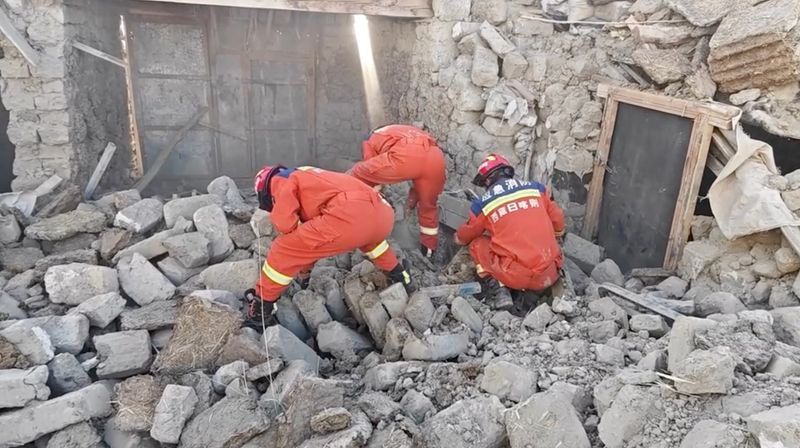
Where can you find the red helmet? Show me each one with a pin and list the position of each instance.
(493, 163)
(262, 186)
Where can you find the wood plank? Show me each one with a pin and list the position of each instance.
(719, 115)
(595, 199)
(137, 160)
(642, 301)
(165, 153)
(690, 188)
(651, 273)
(100, 54)
(16, 38)
(389, 8)
(714, 164)
(792, 235)
(99, 170)
(723, 146)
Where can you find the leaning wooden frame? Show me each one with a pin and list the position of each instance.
(706, 117)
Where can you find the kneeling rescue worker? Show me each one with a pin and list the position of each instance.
(521, 250)
(398, 153)
(319, 214)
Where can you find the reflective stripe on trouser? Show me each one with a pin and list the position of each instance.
(508, 272)
(348, 225)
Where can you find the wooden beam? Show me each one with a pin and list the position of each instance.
(390, 8)
(164, 154)
(642, 301)
(99, 170)
(594, 202)
(16, 38)
(100, 54)
(719, 115)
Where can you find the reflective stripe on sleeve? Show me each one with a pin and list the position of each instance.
(430, 231)
(276, 276)
(379, 250)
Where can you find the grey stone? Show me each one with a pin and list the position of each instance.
(706, 372)
(290, 317)
(514, 65)
(203, 389)
(176, 272)
(160, 338)
(609, 310)
(713, 434)
(384, 376)
(234, 422)
(356, 435)
(662, 66)
(10, 231)
(142, 281)
(265, 370)
(783, 367)
(140, 217)
(227, 373)
(101, 309)
(437, 347)
(219, 296)
(312, 307)
(417, 406)
(186, 207)
(609, 355)
(226, 189)
(174, 408)
(112, 241)
(608, 271)
(20, 387)
(398, 331)
(81, 435)
(341, 341)
(497, 42)
(719, 303)
(242, 235)
(509, 381)
(32, 342)
(681, 338)
(786, 325)
(190, 249)
(612, 11)
(153, 316)
(123, 354)
(236, 277)
(476, 422)
(451, 9)
(66, 333)
(83, 256)
(285, 345)
(331, 420)
(63, 226)
(577, 395)
(464, 313)
(394, 299)
(211, 222)
(419, 311)
(151, 247)
(66, 374)
(584, 253)
(605, 392)
(261, 223)
(704, 13)
(751, 342)
(379, 406)
(74, 283)
(745, 96)
(601, 332)
(283, 383)
(528, 27)
(375, 316)
(20, 259)
(538, 319)
(651, 323)
(28, 424)
(485, 67)
(527, 428)
(10, 308)
(777, 425)
(673, 286)
(632, 408)
(493, 11)
(116, 438)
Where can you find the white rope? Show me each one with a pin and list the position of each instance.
(602, 23)
(261, 304)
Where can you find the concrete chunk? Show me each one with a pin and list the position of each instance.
(285, 345)
(186, 207)
(190, 249)
(236, 277)
(419, 311)
(778, 425)
(394, 299)
(379, 407)
(142, 281)
(632, 408)
(509, 381)
(464, 313)
(485, 67)
(74, 283)
(211, 222)
(713, 434)
(66, 333)
(265, 370)
(140, 217)
(436, 347)
(66, 375)
(651, 323)
(398, 331)
(32, 342)
(20, 259)
(123, 354)
(474, 422)
(10, 231)
(81, 435)
(704, 13)
(608, 271)
(545, 420)
(787, 325)
(681, 338)
(65, 225)
(539, 318)
(157, 315)
(706, 372)
(101, 309)
(312, 307)
(176, 272)
(227, 373)
(375, 316)
(175, 407)
(662, 66)
(719, 303)
(341, 341)
(28, 424)
(497, 42)
(20, 387)
(151, 247)
(451, 9)
(417, 406)
(584, 253)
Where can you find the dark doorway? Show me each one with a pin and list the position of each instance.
(6, 153)
(786, 150)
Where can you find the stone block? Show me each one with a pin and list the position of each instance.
(394, 299)
(123, 354)
(80, 435)
(613, 11)
(176, 405)
(674, 287)
(211, 222)
(20, 259)
(176, 272)
(32, 342)
(651, 323)
(101, 309)
(261, 223)
(786, 325)
(719, 303)
(74, 283)
(140, 217)
(681, 338)
(606, 354)
(514, 65)
(417, 406)
(662, 66)
(375, 316)
(190, 249)
(608, 271)
(151, 247)
(526, 429)
(451, 9)
(65, 225)
(497, 42)
(398, 331)
(482, 417)
(744, 96)
(632, 408)
(609, 310)
(601, 332)
(341, 341)
(283, 344)
(464, 313)
(20, 387)
(227, 373)
(485, 67)
(437, 347)
(713, 434)
(153, 316)
(66, 375)
(312, 308)
(529, 27)
(236, 276)
(142, 281)
(186, 207)
(538, 319)
(10, 231)
(290, 317)
(509, 381)
(778, 425)
(493, 11)
(702, 14)
(379, 407)
(28, 424)
(419, 311)
(706, 372)
(265, 370)
(783, 367)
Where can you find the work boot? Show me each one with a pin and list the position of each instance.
(499, 296)
(426, 251)
(400, 275)
(258, 313)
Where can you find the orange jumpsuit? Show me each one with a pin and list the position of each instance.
(399, 153)
(321, 214)
(521, 250)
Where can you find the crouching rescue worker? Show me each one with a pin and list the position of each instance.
(512, 233)
(399, 153)
(319, 214)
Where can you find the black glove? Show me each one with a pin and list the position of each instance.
(426, 251)
(256, 308)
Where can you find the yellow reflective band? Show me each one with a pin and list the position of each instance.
(430, 231)
(379, 250)
(406, 278)
(276, 276)
(510, 198)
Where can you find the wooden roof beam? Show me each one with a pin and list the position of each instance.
(389, 8)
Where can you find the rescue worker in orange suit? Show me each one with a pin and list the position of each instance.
(319, 214)
(398, 153)
(512, 233)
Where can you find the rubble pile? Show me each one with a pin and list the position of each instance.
(103, 339)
